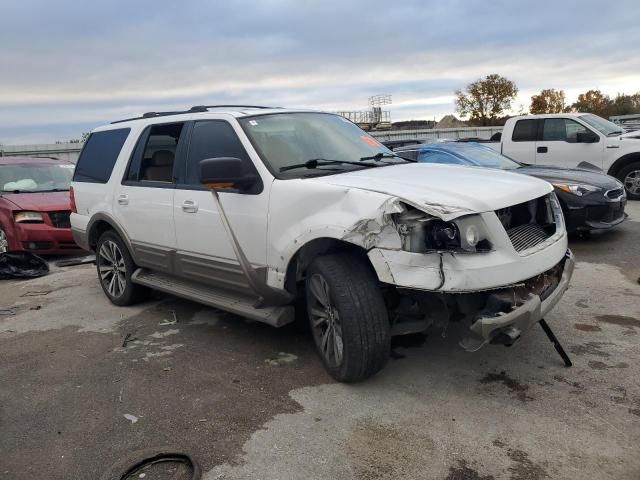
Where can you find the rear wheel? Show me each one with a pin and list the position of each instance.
(115, 267)
(348, 317)
(630, 176)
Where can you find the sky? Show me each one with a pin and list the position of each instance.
(67, 67)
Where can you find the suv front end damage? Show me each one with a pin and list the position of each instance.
(499, 272)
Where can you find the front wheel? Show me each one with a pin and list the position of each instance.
(630, 176)
(348, 317)
(115, 267)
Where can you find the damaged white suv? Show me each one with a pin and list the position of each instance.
(259, 210)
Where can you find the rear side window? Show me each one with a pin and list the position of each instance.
(525, 131)
(408, 154)
(99, 155)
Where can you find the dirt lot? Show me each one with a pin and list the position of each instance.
(84, 384)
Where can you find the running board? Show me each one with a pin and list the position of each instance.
(238, 304)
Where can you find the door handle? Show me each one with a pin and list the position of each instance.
(542, 150)
(123, 199)
(189, 206)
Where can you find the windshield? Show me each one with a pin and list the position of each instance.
(293, 139)
(473, 154)
(35, 177)
(603, 126)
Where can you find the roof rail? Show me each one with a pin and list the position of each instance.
(194, 109)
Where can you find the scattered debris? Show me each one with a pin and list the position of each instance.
(166, 323)
(128, 338)
(22, 265)
(131, 418)
(167, 369)
(37, 293)
(37, 307)
(280, 358)
(171, 331)
(70, 262)
(7, 311)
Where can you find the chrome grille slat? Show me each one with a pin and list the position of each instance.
(526, 236)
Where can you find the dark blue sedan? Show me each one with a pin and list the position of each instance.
(590, 199)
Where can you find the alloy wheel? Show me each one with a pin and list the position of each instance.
(4, 242)
(111, 268)
(325, 321)
(632, 182)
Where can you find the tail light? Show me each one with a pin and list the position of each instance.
(72, 198)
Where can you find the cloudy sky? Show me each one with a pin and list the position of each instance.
(66, 67)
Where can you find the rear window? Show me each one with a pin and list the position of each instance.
(99, 155)
(525, 131)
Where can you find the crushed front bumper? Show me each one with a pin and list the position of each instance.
(506, 327)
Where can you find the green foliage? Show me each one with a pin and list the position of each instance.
(485, 100)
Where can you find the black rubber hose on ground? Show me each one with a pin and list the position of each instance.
(134, 463)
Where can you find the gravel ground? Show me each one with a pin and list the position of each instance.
(84, 384)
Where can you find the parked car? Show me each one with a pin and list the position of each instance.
(34, 205)
(569, 139)
(590, 199)
(255, 210)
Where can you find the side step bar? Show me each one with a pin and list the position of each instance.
(238, 304)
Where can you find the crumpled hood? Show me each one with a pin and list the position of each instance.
(40, 202)
(448, 191)
(570, 175)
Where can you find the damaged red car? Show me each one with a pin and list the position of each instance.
(35, 205)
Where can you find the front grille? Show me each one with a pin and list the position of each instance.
(61, 219)
(614, 194)
(526, 236)
(605, 213)
(532, 223)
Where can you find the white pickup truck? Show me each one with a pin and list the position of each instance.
(569, 139)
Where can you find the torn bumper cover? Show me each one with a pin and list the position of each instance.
(543, 292)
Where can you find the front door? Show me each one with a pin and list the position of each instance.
(204, 250)
(558, 145)
(143, 202)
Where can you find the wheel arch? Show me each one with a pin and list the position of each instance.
(304, 256)
(621, 162)
(99, 224)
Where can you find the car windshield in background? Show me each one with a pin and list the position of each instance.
(603, 126)
(35, 177)
(481, 156)
(294, 139)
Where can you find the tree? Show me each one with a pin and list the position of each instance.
(486, 99)
(548, 101)
(593, 101)
(625, 104)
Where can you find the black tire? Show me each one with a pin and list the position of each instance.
(4, 241)
(117, 286)
(633, 167)
(356, 313)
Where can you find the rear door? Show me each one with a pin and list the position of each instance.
(558, 144)
(522, 144)
(204, 251)
(143, 202)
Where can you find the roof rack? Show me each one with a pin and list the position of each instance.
(194, 109)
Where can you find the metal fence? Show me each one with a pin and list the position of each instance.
(71, 151)
(630, 123)
(484, 133)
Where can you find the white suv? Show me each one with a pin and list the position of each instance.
(251, 209)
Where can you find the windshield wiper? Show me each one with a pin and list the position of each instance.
(318, 162)
(617, 132)
(380, 156)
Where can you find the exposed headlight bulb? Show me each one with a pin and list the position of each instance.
(472, 235)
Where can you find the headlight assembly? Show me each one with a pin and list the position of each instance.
(579, 189)
(28, 217)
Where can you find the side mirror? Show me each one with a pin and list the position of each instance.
(226, 173)
(586, 137)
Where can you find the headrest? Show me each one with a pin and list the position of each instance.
(162, 158)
